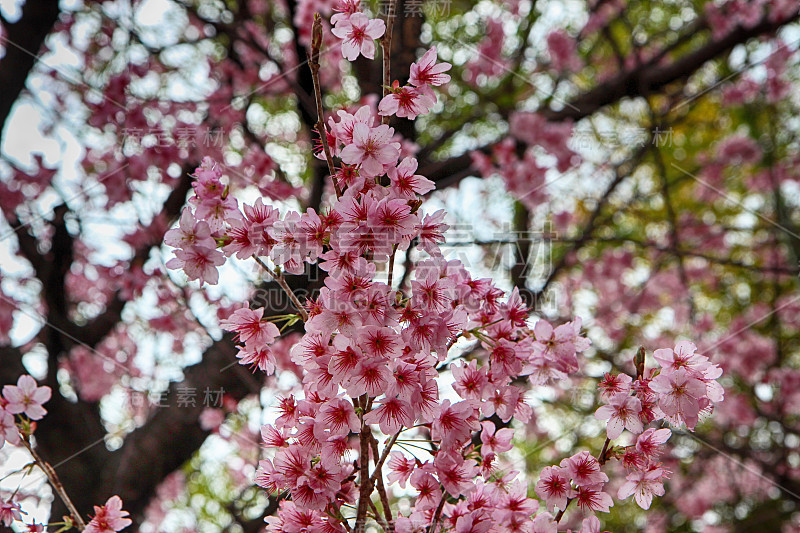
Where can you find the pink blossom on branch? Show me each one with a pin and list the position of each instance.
(9, 511)
(427, 71)
(372, 148)
(554, 487)
(358, 33)
(370, 359)
(249, 326)
(26, 397)
(622, 412)
(644, 485)
(109, 518)
(405, 102)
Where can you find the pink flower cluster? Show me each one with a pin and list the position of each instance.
(196, 250)
(371, 356)
(563, 50)
(723, 17)
(684, 388)
(416, 98)
(525, 176)
(26, 398)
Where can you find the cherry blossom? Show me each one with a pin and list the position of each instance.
(584, 469)
(592, 498)
(679, 395)
(109, 518)
(554, 487)
(622, 413)
(427, 71)
(408, 102)
(372, 149)
(643, 485)
(26, 397)
(495, 441)
(9, 511)
(369, 362)
(358, 32)
(8, 429)
(250, 328)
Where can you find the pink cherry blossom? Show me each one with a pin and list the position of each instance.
(679, 395)
(515, 504)
(358, 33)
(622, 412)
(339, 416)
(9, 511)
(427, 72)
(250, 328)
(391, 415)
(371, 148)
(344, 9)
(544, 523)
(592, 498)
(8, 429)
(470, 381)
(431, 232)
(407, 102)
(649, 441)
(612, 384)
(456, 474)
(584, 469)
(453, 423)
(189, 232)
(405, 183)
(495, 441)
(554, 487)
(199, 263)
(643, 485)
(109, 518)
(26, 397)
(401, 468)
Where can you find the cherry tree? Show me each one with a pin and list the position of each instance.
(398, 378)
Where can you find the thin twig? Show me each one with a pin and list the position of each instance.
(386, 46)
(365, 488)
(560, 514)
(313, 63)
(377, 475)
(391, 266)
(602, 457)
(378, 518)
(56, 483)
(384, 455)
(437, 515)
(282, 282)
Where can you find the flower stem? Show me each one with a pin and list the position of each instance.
(313, 63)
(282, 282)
(386, 46)
(437, 515)
(391, 266)
(560, 514)
(52, 477)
